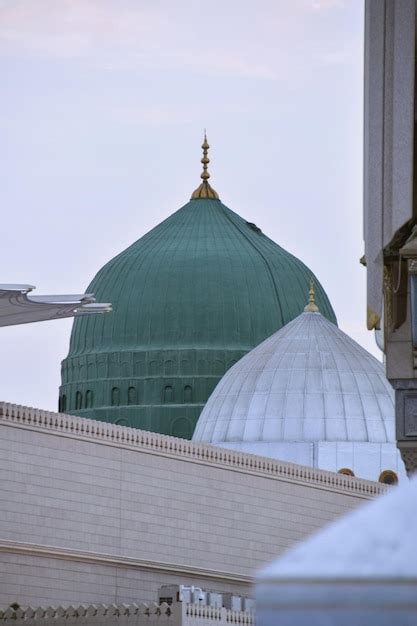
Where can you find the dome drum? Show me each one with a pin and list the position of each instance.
(363, 458)
(131, 383)
(149, 363)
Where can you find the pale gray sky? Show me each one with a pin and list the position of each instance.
(103, 104)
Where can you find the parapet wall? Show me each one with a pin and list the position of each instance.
(151, 614)
(94, 513)
(155, 443)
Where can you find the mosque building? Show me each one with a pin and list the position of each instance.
(107, 503)
(191, 297)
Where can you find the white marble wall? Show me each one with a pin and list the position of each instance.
(88, 518)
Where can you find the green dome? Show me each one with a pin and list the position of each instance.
(190, 298)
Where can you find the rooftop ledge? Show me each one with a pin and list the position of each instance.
(153, 443)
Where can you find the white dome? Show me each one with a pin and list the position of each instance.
(361, 570)
(306, 386)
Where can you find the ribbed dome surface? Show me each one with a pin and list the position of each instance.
(190, 298)
(308, 382)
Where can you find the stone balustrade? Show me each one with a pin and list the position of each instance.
(178, 614)
(198, 615)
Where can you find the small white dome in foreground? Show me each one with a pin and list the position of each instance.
(308, 394)
(362, 569)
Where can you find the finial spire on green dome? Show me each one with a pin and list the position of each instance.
(205, 190)
(311, 306)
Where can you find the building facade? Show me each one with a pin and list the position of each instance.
(390, 203)
(95, 513)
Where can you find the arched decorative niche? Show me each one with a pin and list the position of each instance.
(91, 367)
(155, 368)
(169, 367)
(182, 428)
(126, 368)
(115, 396)
(88, 399)
(63, 403)
(78, 400)
(188, 394)
(101, 366)
(131, 395)
(122, 421)
(168, 394)
(388, 477)
(186, 367)
(346, 471)
(114, 365)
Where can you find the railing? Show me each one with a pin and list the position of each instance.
(145, 441)
(196, 613)
(136, 614)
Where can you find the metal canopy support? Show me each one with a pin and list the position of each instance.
(17, 307)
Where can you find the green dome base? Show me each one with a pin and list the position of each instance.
(158, 390)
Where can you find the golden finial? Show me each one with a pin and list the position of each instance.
(205, 190)
(311, 306)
